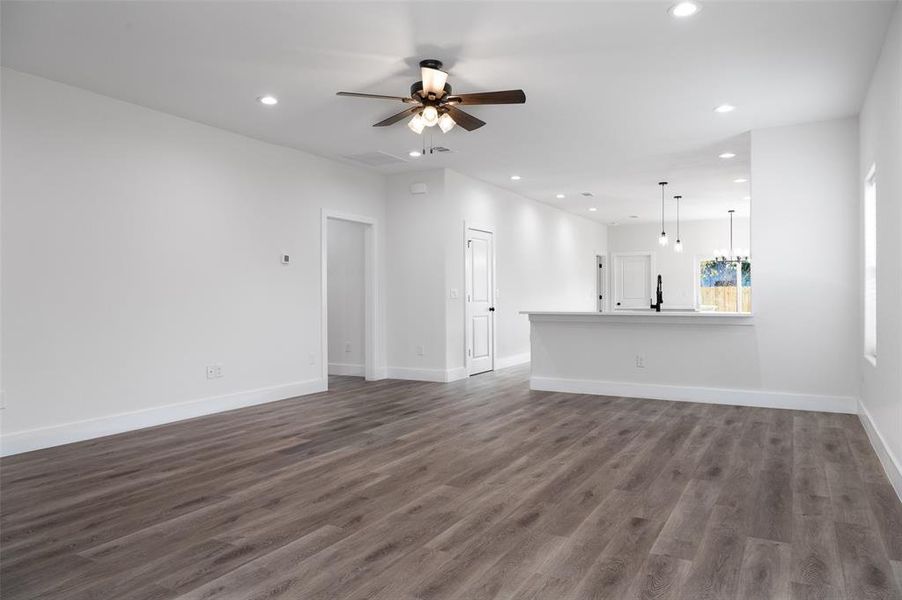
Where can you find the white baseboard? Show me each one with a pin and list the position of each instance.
(347, 369)
(435, 375)
(890, 461)
(761, 398)
(512, 361)
(77, 431)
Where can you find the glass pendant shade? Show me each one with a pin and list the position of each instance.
(430, 116)
(663, 239)
(446, 123)
(417, 123)
(678, 246)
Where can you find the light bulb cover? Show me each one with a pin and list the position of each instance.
(663, 239)
(430, 116)
(417, 123)
(678, 246)
(446, 123)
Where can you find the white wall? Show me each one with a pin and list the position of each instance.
(803, 344)
(346, 297)
(699, 238)
(881, 144)
(138, 248)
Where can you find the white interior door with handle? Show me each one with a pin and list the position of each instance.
(480, 273)
(632, 281)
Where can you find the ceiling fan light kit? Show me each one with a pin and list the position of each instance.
(434, 104)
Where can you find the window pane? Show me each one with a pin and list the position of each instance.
(870, 264)
(725, 286)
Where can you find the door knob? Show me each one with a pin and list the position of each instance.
(491, 309)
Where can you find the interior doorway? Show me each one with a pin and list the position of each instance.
(480, 299)
(349, 296)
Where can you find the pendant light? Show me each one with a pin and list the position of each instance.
(663, 239)
(678, 246)
(723, 256)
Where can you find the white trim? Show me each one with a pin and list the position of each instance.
(372, 356)
(890, 462)
(761, 398)
(76, 431)
(490, 229)
(347, 369)
(512, 360)
(433, 375)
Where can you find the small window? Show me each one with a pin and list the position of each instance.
(725, 286)
(870, 265)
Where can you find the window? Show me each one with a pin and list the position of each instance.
(725, 286)
(870, 265)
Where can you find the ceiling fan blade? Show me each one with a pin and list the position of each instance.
(433, 81)
(505, 97)
(465, 120)
(398, 117)
(377, 96)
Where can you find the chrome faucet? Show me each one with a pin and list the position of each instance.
(659, 296)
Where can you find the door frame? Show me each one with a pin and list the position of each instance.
(615, 286)
(467, 333)
(371, 332)
(602, 304)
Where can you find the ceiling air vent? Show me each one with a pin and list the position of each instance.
(587, 194)
(442, 149)
(375, 159)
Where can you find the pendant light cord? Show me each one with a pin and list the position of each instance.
(662, 184)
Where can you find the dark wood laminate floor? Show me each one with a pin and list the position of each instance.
(478, 489)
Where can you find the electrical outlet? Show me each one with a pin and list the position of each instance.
(640, 361)
(347, 346)
(420, 351)
(218, 370)
(312, 358)
(211, 371)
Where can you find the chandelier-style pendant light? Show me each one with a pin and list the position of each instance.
(724, 256)
(678, 246)
(663, 239)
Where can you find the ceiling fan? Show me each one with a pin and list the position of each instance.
(434, 104)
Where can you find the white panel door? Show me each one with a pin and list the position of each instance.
(480, 301)
(632, 281)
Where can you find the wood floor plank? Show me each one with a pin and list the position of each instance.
(477, 489)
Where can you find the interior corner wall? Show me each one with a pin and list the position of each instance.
(347, 296)
(415, 277)
(881, 145)
(544, 260)
(138, 248)
(805, 257)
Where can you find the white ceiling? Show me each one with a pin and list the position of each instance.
(619, 94)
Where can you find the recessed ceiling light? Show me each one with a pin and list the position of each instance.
(727, 155)
(724, 108)
(592, 209)
(414, 154)
(740, 180)
(560, 196)
(515, 178)
(268, 100)
(684, 9)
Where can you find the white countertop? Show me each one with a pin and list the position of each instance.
(677, 317)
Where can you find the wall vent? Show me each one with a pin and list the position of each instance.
(375, 159)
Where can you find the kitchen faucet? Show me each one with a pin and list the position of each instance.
(660, 296)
